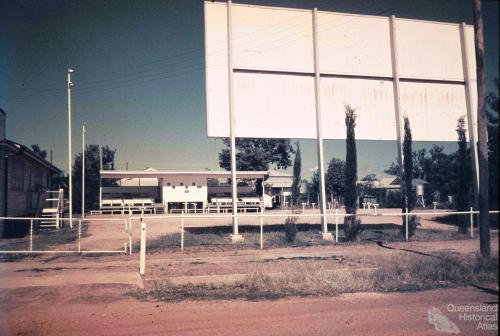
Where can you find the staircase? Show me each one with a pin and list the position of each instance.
(53, 212)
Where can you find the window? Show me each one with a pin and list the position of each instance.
(193, 184)
(182, 183)
(17, 176)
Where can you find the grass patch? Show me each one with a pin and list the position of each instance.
(275, 236)
(305, 279)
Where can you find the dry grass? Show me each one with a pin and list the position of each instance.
(216, 238)
(312, 279)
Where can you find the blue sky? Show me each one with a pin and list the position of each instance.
(139, 77)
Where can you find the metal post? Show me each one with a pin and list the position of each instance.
(319, 131)
(262, 228)
(471, 222)
(470, 116)
(79, 235)
(397, 101)
(142, 259)
(235, 237)
(336, 225)
(406, 223)
(70, 180)
(182, 231)
(130, 235)
(31, 235)
(100, 179)
(83, 170)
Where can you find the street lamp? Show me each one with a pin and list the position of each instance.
(70, 180)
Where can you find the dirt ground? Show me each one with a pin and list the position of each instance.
(108, 310)
(61, 294)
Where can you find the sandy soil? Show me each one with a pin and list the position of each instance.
(107, 310)
(90, 295)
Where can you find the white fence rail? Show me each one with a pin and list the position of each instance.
(336, 219)
(77, 247)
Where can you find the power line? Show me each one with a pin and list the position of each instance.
(183, 70)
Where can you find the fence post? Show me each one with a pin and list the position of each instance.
(142, 263)
(80, 235)
(406, 223)
(471, 222)
(130, 235)
(262, 228)
(336, 225)
(182, 230)
(31, 235)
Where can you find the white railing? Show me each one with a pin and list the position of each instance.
(78, 249)
(336, 215)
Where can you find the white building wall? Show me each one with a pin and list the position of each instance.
(181, 189)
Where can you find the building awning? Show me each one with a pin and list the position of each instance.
(117, 174)
(274, 182)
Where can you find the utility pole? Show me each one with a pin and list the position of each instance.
(482, 135)
(83, 170)
(70, 180)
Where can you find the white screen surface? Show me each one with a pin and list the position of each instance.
(273, 85)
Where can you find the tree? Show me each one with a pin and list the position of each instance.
(257, 154)
(335, 177)
(351, 223)
(92, 175)
(407, 194)
(482, 135)
(313, 186)
(42, 153)
(366, 187)
(435, 167)
(493, 104)
(464, 177)
(297, 167)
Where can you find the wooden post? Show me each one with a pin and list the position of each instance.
(397, 102)
(319, 130)
(484, 220)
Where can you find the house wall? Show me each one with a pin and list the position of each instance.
(2, 173)
(2, 191)
(213, 190)
(23, 201)
(129, 192)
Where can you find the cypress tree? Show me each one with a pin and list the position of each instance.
(351, 224)
(297, 166)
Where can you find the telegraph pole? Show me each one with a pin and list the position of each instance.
(482, 135)
(70, 180)
(83, 170)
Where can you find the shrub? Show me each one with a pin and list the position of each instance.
(352, 228)
(291, 229)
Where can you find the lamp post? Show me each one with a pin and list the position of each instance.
(83, 171)
(70, 180)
